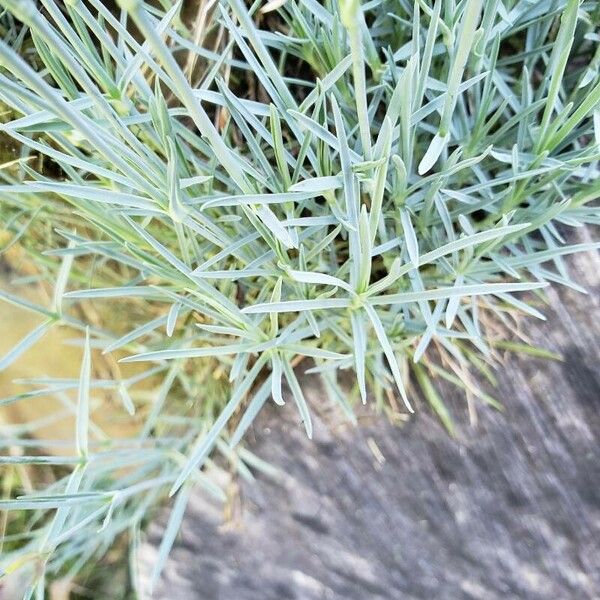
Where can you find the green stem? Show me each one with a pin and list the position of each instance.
(350, 16)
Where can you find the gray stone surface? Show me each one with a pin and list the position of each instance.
(511, 509)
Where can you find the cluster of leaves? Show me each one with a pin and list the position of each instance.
(370, 187)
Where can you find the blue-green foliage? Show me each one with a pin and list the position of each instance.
(368, 187)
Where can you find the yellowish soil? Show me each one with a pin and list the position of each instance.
(52, 356)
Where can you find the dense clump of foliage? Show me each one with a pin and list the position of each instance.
(372, 187)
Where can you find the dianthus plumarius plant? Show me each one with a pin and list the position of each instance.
(376, 188)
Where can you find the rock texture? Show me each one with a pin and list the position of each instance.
(510, 509)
